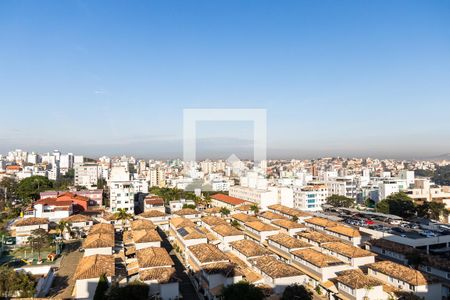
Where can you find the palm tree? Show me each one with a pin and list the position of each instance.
(123, 215)
(224, 211)
(254, 208)
(63, 225)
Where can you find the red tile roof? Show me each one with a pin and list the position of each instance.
(228, 199)
(53, 202)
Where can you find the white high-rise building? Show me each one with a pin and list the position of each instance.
(66, 162)
(86, 175)
(123, 194)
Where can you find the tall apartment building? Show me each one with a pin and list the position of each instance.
(343, 186)
(125, 194)
(86, 175)
(156, 177)
(310, 197)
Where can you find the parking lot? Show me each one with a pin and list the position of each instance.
(401, 228)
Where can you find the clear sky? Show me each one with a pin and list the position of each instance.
(349, 78)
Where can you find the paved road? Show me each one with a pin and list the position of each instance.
(63, 283)
(186, 288)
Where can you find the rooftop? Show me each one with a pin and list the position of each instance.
(228, 199)
(206, 253)
(260, 226)
(345, 230)
(271, 215)
(153, 257)
(391, 246)
(356, 279)
(321, 222)
(213, 221)
(99, 240)
(78, 218)
(226, 230)
(161, 275)
(288, 241)
(152, 214)
(398, 271)
(94, 266)
(317, 237)
(141, 236)
(292, 212)
(317, 258)
(186, 212)
(142, 224)
(179, 222)
(244, 217)
(249, 248)
(274, 268)
(101, 228)
(347, 250)
(30, 221)
(191, 233)
(287, 224)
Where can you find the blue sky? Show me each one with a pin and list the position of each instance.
(349, 78)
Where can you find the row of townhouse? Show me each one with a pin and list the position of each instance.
(143, 258)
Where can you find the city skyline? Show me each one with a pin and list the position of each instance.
(336, 79)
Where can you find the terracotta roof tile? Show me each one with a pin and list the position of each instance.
(274, 268)
(398, 271)
(161, 275)
(288, 241)
(249, 248)
(94, 266)
(206, 253)
(153, 257)
(228, 199)
(30, 221)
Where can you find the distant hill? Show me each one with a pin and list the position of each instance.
(445, 156)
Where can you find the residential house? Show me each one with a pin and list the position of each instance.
(278, 275)
(212, 270)
(349, 254)
(226, 235)
(318, 266)
(406, 279)
(23, 228)
(282, 244)
(88, 272)
(259, 231)
(288, 226)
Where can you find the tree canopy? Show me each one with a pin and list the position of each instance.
(340, 201)
(38, 239)
(29, 188)
(133, 291)
(442, 175)
(101, 289)
(242, 290)
(399, 204)
(296, 291)
(432, 210)
(13, 283)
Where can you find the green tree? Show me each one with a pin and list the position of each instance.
(369, 203)
(399, 204)
(442, 175)
(62, 226)
(224, 211)
(29, 188)
(38, 240)
(235, 224)
(296, 291)
(14, 283)
(191, 206)
(254, 208)
(135, 290)
(101, 289)
(432, 210)
(242, 290)
(123, 215)
(340, 201)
